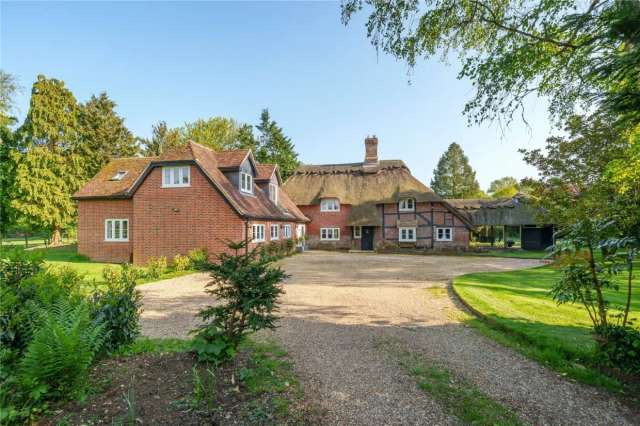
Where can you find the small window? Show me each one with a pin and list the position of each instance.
(286, 231)
(300, 229)
(116, 230)
(330, 205)
(407, 234)
(330, 234)
(357, 232)
(258, 233)
(407, 205)
(119, 175)
(444, 234)
(246, 183)
(275, 232)
(174, 177)
(273, 193)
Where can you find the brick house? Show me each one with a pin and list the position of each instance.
(189, 198)
(374, 204)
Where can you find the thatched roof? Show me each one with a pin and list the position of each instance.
(364, 215)
(503, 211)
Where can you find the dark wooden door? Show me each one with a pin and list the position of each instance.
(367, 238)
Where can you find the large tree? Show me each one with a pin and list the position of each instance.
(578, 54)
(504, 187)
(162, 138)
(102, 134)
(274, 147)
(8, 90)
(454, 177)
(218, 133)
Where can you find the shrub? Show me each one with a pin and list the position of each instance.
(289, 246)
(246, 288)
(118, 307)
(199, 258)
(619, 348)
(16, 265)
(156, 266)
(181, 263)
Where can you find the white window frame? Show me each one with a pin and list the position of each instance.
(330, 234)
(257, 233)
(329, 205)
(274, 235)
(444, 229)
(273, 193)
(110, 225)
(286, 231)
(403, 205)
(246, 183)
(171, 172)
(357, 232)
(120, 174)
(407, 239)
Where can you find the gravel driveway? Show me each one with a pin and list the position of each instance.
(339, 307)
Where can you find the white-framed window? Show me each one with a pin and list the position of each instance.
(357, 232)
(275, 232)
(246, 182)
(330, 234)
(286, 231)
(329, 205)
(258, 233)
(174, 177)
(444, 234)
(407, 205)
(116, 230)
(300, 230)
(120, 174)
(406, 234)
(273, 193)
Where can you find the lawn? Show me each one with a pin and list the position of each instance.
(518, 303)
(513, 253)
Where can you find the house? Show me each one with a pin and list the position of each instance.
(374, 204)
(188, 198)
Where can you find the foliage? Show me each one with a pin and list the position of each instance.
(199, 258)
(577, 54)
(623, 174)
(16, 265)
(274, 147)
(8, 89)
(156, 266)
(218, 133)
(118, 308)
(505, 187)
(162, 139)
(246, 286)
(181, 263)
(620, 348)
(454, 177)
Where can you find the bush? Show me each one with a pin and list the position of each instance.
(246, 288)
(619, 348)
(181, 263)
(199, 258)
(16, 265)
(156, 266)
(118, 307)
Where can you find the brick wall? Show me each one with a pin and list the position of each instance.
(91, 222)
(327, 220)
(267, 230)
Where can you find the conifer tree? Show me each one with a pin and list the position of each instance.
(162, 139)
(8, 89)
(454, 177)
(274, 147)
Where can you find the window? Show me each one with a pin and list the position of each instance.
(407, 205)
(286, 231)
(116, 230)
(173, 177)
(357, 232)
(258, 233)
(275, 232)
(119, 175)
(273, 193)
(330, 234)
(300, 231)
(406, 234)
(330, 205)
(444, 234)
(246, 183)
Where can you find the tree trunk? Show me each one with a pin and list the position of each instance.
(56, 237)
(26, 240)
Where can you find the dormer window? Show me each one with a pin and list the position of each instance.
(273, 193)
(119, 175)
(246, 183)
(330, 205)
(175, 177)
(407, 205)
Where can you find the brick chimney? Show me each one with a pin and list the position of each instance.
(371, 154)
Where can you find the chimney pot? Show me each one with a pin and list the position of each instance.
(371, 153)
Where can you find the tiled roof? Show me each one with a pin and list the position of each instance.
(231, 159)
(265, 171)
(258, 206)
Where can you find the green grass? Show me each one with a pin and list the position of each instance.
(144, 345)
(519, 312)
(514, 254)
(19, 242)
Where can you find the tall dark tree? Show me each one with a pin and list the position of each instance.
(102, 134)
(8, 89)
(162, 138)
(245, 138)
(454, 177)
(274, 147)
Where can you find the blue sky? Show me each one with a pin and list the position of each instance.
(323, 82)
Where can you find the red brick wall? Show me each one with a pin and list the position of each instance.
(175, 220)
(327, 220)
(91, 218)
(267, 230)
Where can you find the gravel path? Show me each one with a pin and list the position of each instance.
(339, 307)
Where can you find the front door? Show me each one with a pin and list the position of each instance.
(367, 238)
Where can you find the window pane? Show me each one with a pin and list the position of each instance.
(125, 229)
(185, 175)
(166, 179)
(109, 230)
(116, 229)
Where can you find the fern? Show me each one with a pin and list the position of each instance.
(62, 349)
